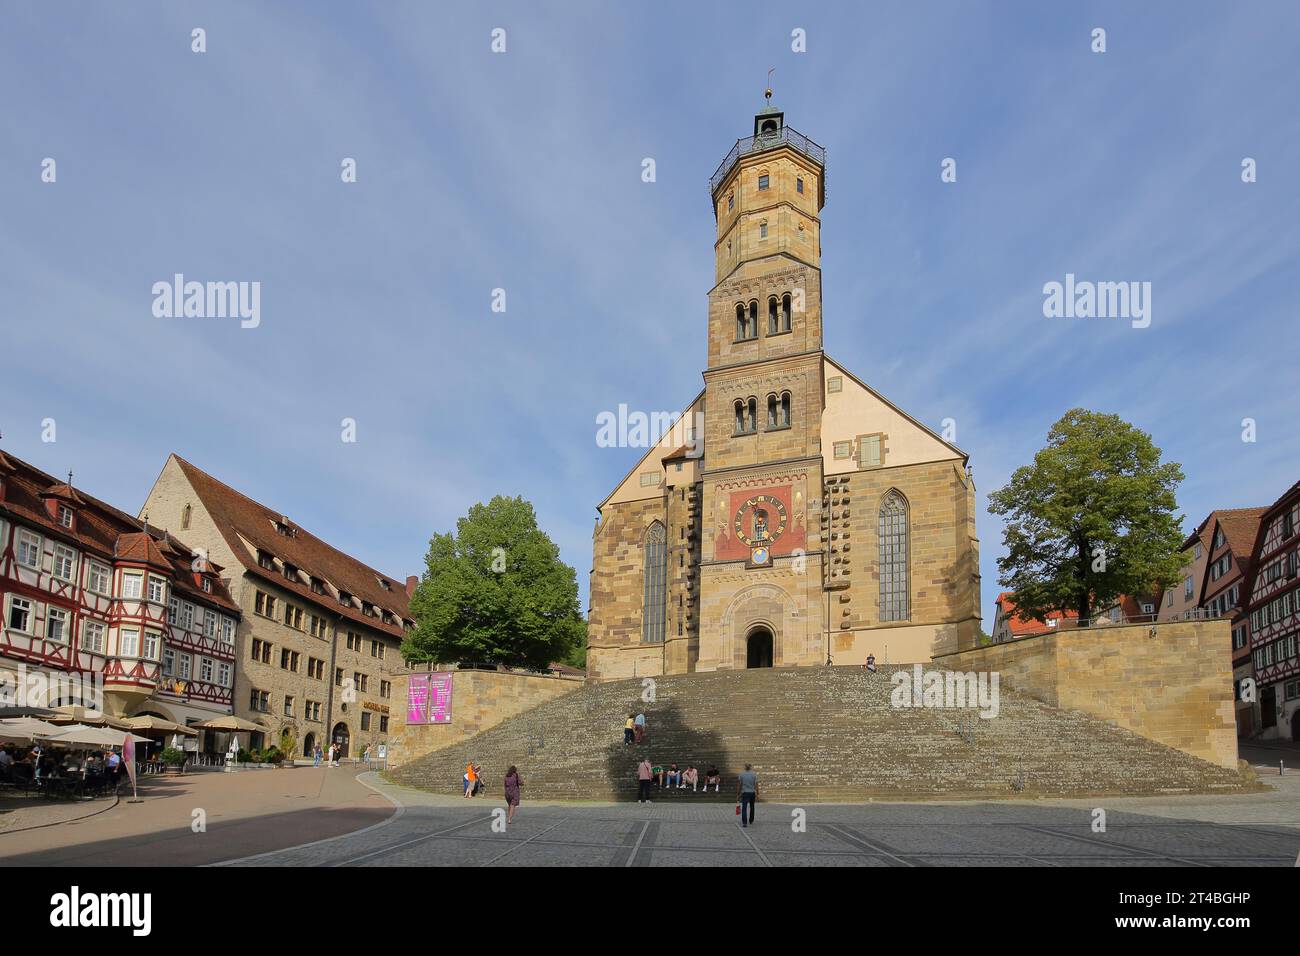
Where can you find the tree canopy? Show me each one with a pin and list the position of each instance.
(1091, 519)
(496, 592)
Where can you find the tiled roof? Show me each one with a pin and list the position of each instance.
(241, 519)
(103, 531)
(1023, 627)
(1240, 526)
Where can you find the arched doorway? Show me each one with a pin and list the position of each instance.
(309, 745)
(758, 648)
(340, 738)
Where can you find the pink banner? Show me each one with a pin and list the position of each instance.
(428, 698)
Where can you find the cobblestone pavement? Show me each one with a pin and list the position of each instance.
(1249, 830)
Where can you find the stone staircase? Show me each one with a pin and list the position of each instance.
(814, 734)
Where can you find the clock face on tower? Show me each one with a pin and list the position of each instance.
(760, 520)
(758, 524)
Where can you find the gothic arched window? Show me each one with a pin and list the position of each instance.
(773, 323)
(740, 417)
(655, 550)
(772, 412)
(741, 330)
(785, 312)
(785, 410)
(753, 415)
(893, 558)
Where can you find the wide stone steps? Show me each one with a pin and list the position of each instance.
(826, 733)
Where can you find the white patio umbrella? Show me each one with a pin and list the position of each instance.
(82, 736)
(27, 728)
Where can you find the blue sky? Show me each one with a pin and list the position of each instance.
(523, 171)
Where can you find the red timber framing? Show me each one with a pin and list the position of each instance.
(87, 588)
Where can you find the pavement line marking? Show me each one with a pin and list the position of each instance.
(524, 843)
(863, 841)
(419, 839)
(397, 815)
(640, 836)
(762, 856)
(1114, 846)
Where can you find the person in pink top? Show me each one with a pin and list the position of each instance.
(643, 778)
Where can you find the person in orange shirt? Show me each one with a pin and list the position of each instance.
(471, 777)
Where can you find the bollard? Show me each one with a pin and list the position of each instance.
(1281, 768)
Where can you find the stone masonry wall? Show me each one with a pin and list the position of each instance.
(479, 700)
(1171, 683)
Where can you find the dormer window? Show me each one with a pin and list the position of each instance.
(367, 609)
(207, 584)
(65, 516)
(317, 586)
(265, 560)
(345, 598)
(291, 572)
(282, 527)
(386, 585)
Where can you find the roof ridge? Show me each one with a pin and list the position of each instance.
(215, 480)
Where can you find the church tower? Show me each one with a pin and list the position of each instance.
(763, 402)
(802, 518)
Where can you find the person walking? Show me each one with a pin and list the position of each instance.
(628, 730)
(471, 778)
(315, 755)
(639, 725)
(513, 783)
(747, 793)
(644, 774)
(365, 755)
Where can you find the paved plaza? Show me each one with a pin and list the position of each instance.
(343, 817)
(1255, 830)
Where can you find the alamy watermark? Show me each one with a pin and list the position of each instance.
(634, 429)
(209, 300)
(947, 689)
(41, 688)
(1098, 300)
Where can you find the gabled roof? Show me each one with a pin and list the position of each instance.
(102, 531)
(965, 458)
(1025, 626)
(1240, 528)
(244, 522)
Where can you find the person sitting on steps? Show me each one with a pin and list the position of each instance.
(691, 776)
(713, 777)
(673, 777)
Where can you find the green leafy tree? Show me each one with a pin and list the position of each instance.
(1091, 519)
(496, 592)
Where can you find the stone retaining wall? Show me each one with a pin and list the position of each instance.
(1169, 682)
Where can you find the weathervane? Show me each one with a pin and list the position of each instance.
(768, 94)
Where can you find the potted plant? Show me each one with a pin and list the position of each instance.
(174, 760)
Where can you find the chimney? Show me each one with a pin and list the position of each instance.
(411, 582)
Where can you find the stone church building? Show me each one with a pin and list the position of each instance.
(801, 517)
